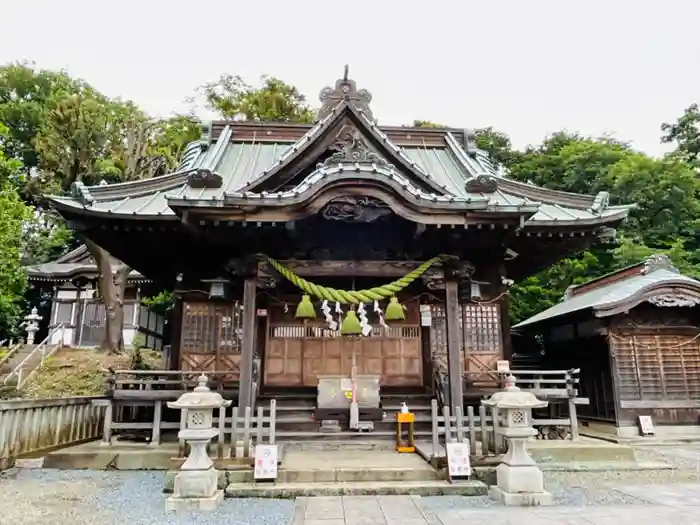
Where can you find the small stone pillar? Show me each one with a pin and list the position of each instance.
(519, 478)
(196, 485)
(31, 325)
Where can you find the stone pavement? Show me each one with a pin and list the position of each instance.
(679, 505)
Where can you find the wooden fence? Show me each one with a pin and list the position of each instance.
(240, 429)
(37, 426)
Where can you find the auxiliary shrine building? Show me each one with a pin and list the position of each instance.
(298, 250)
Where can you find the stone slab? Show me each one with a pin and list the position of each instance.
(293, 490)
(173, 504)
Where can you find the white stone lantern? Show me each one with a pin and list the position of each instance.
(31, 325)
(519, 478)
(196, 485)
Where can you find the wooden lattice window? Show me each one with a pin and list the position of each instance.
(657, 367)
(481, 328)
(212, 327)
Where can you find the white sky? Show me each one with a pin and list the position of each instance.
(526, 67)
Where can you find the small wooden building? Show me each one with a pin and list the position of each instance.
(348, 204)
(71, 280)
(635, 335)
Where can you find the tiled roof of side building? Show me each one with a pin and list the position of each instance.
(655, 272)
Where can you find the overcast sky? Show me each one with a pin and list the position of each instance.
(526, 67)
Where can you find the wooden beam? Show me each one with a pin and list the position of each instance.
(350, 268)
(454, 363)
(248, 355)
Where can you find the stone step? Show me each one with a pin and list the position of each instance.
(321, 445)
(415, 488)
(294, 435)
(344, 475)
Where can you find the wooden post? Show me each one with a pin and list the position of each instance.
(157, 418)
(454, 363)
(245, 384)
(107, 425)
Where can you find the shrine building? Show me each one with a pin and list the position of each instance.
(297, 250)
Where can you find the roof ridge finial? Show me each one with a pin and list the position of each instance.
(658, 261)
(345, 90)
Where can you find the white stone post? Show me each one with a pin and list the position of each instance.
(196, 485)
(519, 479)
(31, 325)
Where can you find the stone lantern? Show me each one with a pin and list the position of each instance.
(519, 479)
(196, 485)
(31, 325)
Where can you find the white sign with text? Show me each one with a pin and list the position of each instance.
(458, 464)
(265, 462)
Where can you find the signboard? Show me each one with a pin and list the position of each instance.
(458, 465)
(502, 367)
(262, 312)
(646, 425)
(265, 462)
(426, 316)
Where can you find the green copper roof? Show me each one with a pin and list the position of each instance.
(655, 272)
(445, 174)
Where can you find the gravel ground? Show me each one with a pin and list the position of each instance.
(53, 497)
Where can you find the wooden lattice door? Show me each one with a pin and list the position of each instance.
(482, 342)
(211, 338)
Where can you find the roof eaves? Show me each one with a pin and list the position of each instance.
(325, 175)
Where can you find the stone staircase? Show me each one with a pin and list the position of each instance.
(16, 359)
(344, 467)
(295, 418)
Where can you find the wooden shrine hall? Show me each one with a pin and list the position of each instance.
(298, 251)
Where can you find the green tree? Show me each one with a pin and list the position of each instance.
(13, 214)
(274, 101)
(685, 134)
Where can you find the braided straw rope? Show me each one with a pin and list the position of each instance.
(355, 296)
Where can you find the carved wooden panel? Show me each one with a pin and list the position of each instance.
(657, 367)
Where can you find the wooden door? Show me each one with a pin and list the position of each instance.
(298, 353)
(482, 343)
(211, 338)
(94, 321)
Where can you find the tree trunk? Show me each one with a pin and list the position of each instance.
(112, 284)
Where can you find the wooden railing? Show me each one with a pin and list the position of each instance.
(35, 359)
(37, 426)
(240, 429)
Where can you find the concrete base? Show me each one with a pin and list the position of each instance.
(187, 504)
(521, 500)
(372, 488)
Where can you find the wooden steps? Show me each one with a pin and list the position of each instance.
(295, 419)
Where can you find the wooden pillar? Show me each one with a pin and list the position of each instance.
(454, 363)
(248, 354)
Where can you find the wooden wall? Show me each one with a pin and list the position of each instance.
(656, 361)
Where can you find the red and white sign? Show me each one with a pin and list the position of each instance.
(265, 462)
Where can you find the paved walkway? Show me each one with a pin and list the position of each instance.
(679, 505)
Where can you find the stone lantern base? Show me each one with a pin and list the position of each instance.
(520, 485)
(195, 490)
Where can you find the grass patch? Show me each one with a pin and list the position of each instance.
(80, 372)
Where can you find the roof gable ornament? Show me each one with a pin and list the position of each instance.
(345, 90)
(355, 208)
(350, 146)
(658, 261)
(79, 191)
(481, 184)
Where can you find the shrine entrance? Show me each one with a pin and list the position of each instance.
(297, 353)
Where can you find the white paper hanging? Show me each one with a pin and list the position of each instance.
(364, 322)
(332, 324)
